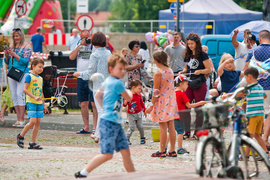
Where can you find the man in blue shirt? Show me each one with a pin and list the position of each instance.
(37, 40)
(73, 40)
(262, 53)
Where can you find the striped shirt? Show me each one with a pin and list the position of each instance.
(255, 97)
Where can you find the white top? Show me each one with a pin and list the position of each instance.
(145, 56)
(239, 51)
(57, 31)
(83, 58)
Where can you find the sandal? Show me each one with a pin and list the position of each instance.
(186, 136)
(242, 159)
(159, 154)
(82, 131)
(20, 141)
(195, 137)
(171, 154)
(34, 146)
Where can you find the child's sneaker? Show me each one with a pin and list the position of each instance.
(143, 140)
(16, 124)
(20, 141)
(78, 175)
(182, 151)
(34, 146)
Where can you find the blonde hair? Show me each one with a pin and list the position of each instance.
(123, 50)
(224, 57)
(114, 59)
(20, 33)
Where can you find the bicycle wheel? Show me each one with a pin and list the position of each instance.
(255, 164)
(210, 159)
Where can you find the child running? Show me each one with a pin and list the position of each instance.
(228, 75)
(181, 84)
(135, 109)
(163, 108)
(35, 106)
(112, 135)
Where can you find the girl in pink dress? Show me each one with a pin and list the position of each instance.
(163, 108)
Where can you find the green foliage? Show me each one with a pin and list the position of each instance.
(254, 5)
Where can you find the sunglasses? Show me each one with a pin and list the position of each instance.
(137, 46)
(191, 37)
(17, 29)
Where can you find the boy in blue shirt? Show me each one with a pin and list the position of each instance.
(112, 136)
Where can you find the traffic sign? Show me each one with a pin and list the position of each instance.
(85, 22)
(20, 7)
(173, 8)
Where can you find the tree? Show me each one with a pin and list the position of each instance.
(254, 5)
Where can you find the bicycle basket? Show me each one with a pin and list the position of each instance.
(215, 115)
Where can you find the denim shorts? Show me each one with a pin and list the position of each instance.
(34, 110)
(112, 137)
(179, 126)
(83, 91)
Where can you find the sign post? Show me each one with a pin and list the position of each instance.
(20, 7)
(85, 22)
(175, 9)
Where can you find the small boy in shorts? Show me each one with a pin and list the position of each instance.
(112, 135)
(255, 111)
(181, 85)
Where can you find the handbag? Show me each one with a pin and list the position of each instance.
(15, 73)
(196, 83)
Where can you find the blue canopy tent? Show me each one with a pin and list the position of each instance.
(226, 14)
(254, 26)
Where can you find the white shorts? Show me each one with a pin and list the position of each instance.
(266, 103)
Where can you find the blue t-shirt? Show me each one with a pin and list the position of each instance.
(229, 79)
(72, 42)
(261, 53)
(112, 99)
(37, 40)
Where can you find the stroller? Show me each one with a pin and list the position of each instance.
(49, 72)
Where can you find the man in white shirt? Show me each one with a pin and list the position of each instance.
(241, 48)
(73, 40)
(83, 52)
(56, 31)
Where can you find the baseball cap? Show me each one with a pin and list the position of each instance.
(252, 37)
(181, 78)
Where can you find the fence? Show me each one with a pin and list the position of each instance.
(141, 26)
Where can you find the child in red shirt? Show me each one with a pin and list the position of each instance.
(135, 109)
(181, 84)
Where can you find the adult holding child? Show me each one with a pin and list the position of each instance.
(98, 63)
(262, 53)
(18, 56)
(197, 65)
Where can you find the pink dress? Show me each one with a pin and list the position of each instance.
(165, 108)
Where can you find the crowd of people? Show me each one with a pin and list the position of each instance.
(181, 82)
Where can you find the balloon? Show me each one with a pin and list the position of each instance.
(156, 40)
(153, 36)
(263, 74)
(148, 37)
(162, 40)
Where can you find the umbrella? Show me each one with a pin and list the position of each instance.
(254, 26)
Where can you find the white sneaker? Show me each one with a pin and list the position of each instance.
(21, 124)
(16, 123)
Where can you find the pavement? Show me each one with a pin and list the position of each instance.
(64, 153)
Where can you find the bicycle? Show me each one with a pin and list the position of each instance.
(212, 157)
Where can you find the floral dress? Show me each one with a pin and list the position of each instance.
(165, 108)
(132, 60)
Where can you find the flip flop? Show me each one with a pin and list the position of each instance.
(82, 131)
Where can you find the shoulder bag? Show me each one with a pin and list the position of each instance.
(15, 73)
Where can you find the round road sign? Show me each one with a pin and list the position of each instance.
(85, 22)
(20, 7)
